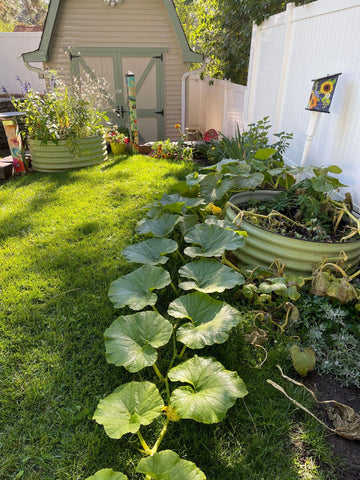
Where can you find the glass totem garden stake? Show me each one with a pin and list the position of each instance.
(14, 141)
(319, 102)
(131, 94)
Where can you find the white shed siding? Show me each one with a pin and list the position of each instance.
(133, 23)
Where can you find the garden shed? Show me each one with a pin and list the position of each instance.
(108, 38)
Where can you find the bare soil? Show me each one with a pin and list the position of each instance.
(348, 451)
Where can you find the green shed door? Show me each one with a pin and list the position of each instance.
(112, 64)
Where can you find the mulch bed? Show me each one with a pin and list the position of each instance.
(348, 451)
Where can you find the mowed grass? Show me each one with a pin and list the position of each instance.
(61, 237)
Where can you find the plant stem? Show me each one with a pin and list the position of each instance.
(158, 373)
(161, 436)
(182, 352)
(174, 288)
(155, 309)
(181, 256)
(335, 266)
(145, 446)
(227, 262)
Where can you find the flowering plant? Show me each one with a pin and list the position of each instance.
(169, 149)
(64, 112)
(114, 136)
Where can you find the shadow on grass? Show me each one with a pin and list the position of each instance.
(61, 249)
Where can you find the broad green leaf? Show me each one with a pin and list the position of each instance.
(210, 319)
(264, 153)
(180, 203)
(212, 389)
(252, 180)
(211, 241)
(214, 186)
(187, 223)
(159, 227)
(128, 407)
(150, 252)
(213, 220)
(303, 360)
(209, 276)
(194, 178)
(219, 166)
(107, 474)
(136, 288)
(131, 340)
(167, 465)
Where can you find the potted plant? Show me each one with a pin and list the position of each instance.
(65, 124)
(117, 140)
(299, 223)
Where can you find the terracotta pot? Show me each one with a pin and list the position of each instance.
(262, 247)
(118, 148)
(57, 157)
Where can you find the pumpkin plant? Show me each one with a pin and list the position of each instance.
(188, 227)
(190, 386)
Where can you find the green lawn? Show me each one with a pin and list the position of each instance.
(61, 237)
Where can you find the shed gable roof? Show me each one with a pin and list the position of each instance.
(42, 53)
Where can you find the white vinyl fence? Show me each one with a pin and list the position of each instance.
(291, 49)
(12, 45)
(218, 104)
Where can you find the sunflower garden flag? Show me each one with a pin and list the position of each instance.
(322, 93)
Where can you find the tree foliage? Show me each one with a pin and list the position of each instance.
(221, 29)
(26, 12)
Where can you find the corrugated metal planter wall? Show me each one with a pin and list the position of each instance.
(55, 158)
(262, 247)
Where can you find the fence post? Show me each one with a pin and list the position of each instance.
(253, 74)
(285, 68)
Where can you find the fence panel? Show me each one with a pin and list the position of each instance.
(218, 105)
(291, 49)
(12, 45)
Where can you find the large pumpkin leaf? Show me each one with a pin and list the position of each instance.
(212, 241)
(251, 180)
(150, 252)
(131, 340)
(214, 186)
(167, 465)
(128, 407)
(210, 319)
(107, 474)
(135, 289)
(187, 223)
(178, 203)
(209, 276)
(194, 178)
(212, 389)
(159, 227)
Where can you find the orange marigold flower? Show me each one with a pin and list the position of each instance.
(177, 125)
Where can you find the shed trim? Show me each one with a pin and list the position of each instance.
(42, 53)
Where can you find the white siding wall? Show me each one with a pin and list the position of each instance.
(218, 105)
(12, 45)
(133, 23)
(291, 49)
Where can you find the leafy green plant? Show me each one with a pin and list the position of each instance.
(195, 321)
(307, 210)
(64, 112)
(173, 150)
(163, 335)
(332, 330)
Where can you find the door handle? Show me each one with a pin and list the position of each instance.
(120, 111)
(161, 112)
